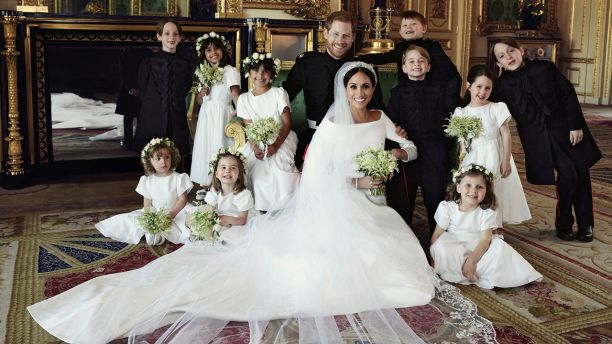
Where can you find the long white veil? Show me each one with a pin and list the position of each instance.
(330, 267)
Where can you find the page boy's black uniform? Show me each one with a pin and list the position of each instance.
(421, 108)
(164, 79)
(545, 107)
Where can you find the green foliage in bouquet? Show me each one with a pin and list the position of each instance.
(464, 127)
(377, 163)
(204, 223)
(208, 75)
(263, 131)
(155, 221)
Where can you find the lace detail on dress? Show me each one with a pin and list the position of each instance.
(463, 315)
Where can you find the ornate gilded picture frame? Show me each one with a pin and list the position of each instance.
(154, 7)
(503, 16)
(286, 44)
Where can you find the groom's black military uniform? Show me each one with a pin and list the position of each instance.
(314, 72)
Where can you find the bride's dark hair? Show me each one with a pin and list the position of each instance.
(356, 70)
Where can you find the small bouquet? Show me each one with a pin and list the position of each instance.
(155, 221)
(262, 132)
(377, 163)
(208, 75)
(464, 128)
(204, 223)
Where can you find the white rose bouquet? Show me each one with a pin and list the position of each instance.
(377, 163)
(208, 75)
(204, 223)
(155, 221)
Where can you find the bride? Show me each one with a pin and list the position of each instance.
(330, 266)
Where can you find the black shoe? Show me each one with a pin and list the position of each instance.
(566, 235)
(585, 234)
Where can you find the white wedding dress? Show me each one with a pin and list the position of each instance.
(330, 252)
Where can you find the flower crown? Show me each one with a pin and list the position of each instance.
(458, 172)
(257, 57)
(214, 161)
(201, 39)
(146, 151)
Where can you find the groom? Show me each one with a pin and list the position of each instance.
(314, 73)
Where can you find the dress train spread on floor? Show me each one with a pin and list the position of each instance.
(330, 265)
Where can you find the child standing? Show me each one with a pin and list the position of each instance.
(274, 178)
(421, 107)
(412, 29)
(463, 246)
(493, 148)
(553, 132)
(164, 79)
(160, 187)
(216, 107)
(228, 193)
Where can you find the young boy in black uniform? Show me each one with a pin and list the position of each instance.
(420, 106)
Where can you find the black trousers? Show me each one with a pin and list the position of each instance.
(402, 191)
(128, 131)
(574, 193)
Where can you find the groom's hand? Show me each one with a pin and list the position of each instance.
(401, 132)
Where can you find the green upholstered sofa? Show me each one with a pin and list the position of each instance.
(388, 79)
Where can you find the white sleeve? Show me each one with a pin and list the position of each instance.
(458, 111)
(407, 145)
(183, 184)
(244, 200)
(142, 188)
(211, 197)
(501, 113)
(282, 99)
(488, 219)
(242, 108)
(232, 77)
(443, 215)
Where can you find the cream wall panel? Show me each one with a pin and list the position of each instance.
(606, 88)
(478, 43)
(584, 25)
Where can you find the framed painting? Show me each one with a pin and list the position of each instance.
(503, 16)
(288, 43)
(154, 8)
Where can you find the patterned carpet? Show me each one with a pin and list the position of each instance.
(48, 244)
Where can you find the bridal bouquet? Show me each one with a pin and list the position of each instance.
(155, 221)
(204, 223)
(377, 163)
(208, 75)
(464, 128)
